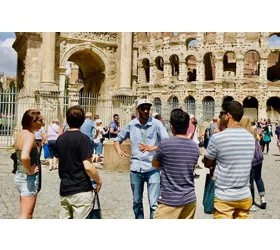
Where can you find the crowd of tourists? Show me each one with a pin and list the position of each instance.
(163, 155)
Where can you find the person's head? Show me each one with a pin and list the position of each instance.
(265, 128)
(191, 116)
(32, 119)
(98, 122)
(246, 123)
(96, 117)
(158, 117)
(88, 115)
(116, 117)
(56, 121)
(75, 116)
(234, 111)
(179, 121)
(215, 119)
(143, 107)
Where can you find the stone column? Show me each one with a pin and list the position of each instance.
(62, 79)
(167, 71)
(183, 71)
(263, 72)
(239, 67)
(200, 71)
(126, 62)
(48, 65)
(219, 70)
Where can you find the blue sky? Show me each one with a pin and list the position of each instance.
(8, 56)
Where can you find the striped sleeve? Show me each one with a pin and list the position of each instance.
(212, 151)
(159, 152)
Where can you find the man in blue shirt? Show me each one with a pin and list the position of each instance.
(88, 128)
(144, 133)
(114, 127)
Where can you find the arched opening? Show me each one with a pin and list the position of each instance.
(157, 105)
(190, 105)
(250, 106)
(273, 108)
(90, 70)
(175, 33)
(191, 43)
(160, 66)
(146, 66)
(229, 63)
(208, 106)
(274, 41)
(273, 67)
(191, 66)
(173, 103)
(209, 66)
(251, 64)
(174, 62)
(227, 99)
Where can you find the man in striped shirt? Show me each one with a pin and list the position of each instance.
(231, 153)
(176, 158)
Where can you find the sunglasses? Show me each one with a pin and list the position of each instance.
(143, 108)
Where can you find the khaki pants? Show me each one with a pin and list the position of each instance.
(232, 209)
(168, 212)
(76, 206)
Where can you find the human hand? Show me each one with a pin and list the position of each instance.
(122, 153)
(98, 187)
(145, 148)
(34, 169)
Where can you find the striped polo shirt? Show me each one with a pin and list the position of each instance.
(177, 157)
(233, 150)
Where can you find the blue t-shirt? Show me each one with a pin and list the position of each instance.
(115, 127)
(87, 128)
(177, 157)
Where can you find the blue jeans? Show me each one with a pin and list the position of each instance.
(256, 175)
(137, 181)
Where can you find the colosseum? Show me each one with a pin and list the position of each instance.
(197, 71)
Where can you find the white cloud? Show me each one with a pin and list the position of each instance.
(8, 57)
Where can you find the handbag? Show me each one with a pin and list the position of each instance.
(95, 213)
(46, 151)
(209, 193)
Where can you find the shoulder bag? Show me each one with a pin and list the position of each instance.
(209, 193)
(95, 213)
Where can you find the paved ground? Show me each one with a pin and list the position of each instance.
(116, 197)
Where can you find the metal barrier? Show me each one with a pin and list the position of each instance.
(54, 105)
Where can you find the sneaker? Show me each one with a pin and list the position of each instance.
(253, 208)
(263, 203)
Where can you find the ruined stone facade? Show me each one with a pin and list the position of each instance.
(206, 68)
(197, 71)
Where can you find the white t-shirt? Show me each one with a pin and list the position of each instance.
(100, 134)
(39, 133)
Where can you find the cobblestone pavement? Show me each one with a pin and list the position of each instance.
(116, 197)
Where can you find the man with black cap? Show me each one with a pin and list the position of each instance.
(145, 133)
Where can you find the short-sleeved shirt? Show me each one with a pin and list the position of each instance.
(191, 129)
(150, 133)
(87, 128)
(53, 131)
(233, 150)
(178, 157)
(115, 126)
(39, 133)
(73, 147)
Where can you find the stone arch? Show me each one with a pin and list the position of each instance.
(227, 99)
(273, 108)
(94, 65)
(209, 66)
(173, 102)
(251, 64)
(208, 107)
(146, 66)
(174, 62)
(273, 66)
(250, 106)
(190, 104)
(159, 63)
(274, 40)
(157, 105)
(190, 43)
(191, 67)
(229, 62)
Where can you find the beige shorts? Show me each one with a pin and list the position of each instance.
(76, 206)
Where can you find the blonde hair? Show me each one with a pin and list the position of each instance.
(246, 123)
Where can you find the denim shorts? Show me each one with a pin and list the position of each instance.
(98, 148)
(52, 148)
(27, 185)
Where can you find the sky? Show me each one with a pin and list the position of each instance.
(8, 56)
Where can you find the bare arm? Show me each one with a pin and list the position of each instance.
(118, 149)
(112, 131)
(209, 163)
(92, 173)
(156, 163)
(28, 144)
